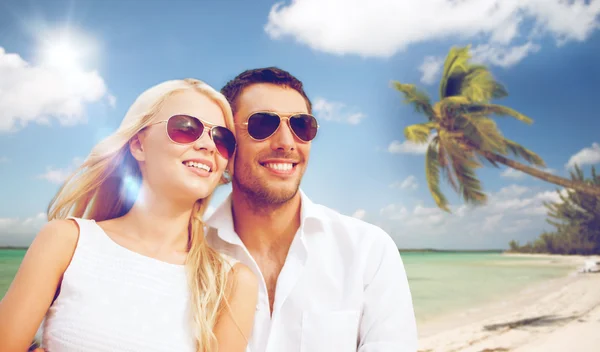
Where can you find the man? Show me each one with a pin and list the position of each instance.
(328, 282)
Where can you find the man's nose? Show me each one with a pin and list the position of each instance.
(284, 138)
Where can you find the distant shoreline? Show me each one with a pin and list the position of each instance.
(400, 249)
(426, 250)
(431, 250)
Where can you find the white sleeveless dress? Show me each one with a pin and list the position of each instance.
(114, 299)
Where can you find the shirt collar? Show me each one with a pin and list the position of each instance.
(222, 219)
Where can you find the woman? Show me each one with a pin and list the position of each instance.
(136, 274)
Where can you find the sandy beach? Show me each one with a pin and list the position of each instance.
(557, 315)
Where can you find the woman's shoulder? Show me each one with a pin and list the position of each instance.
(54, 244)
(65, 231)
(240, 273)
(229, 260)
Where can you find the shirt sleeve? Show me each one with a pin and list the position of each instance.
(388, 321)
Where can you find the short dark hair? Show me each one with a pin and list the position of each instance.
(272, 75)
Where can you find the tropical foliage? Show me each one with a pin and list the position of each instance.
(576, 219)
(461, 134)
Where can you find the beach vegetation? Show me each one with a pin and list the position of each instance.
(575, 218)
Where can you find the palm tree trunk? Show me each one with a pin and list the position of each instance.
(546, 176)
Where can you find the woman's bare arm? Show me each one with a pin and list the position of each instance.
(31, 293)
(235, 323)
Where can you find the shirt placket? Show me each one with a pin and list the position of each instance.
(287, 280)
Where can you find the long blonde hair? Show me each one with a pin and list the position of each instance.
(100, 189)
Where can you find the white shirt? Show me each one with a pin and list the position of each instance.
(342, 288)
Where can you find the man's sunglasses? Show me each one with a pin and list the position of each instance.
(262, 125)
(185, 129)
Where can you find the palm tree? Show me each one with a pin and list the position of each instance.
(461, 135)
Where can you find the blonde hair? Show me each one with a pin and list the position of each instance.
(98, 190)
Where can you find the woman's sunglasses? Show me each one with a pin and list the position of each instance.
(262, 125)
(185, 129)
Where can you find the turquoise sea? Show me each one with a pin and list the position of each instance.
(441, 283)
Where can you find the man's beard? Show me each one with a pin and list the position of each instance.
(259, 193)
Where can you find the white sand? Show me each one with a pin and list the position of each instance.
(560, 315)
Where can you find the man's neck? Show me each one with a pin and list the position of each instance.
(263, 227)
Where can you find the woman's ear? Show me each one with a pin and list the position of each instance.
(136, 147)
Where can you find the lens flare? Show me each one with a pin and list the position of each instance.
(130, 189)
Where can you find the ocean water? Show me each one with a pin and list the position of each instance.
(440, 283)
(9, 264)
(446, 283)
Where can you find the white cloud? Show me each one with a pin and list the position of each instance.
(513, 173)
(359, 214)
(431, 68)
(382, 28)
(408, 183)
(501, 55)
(511, 191)
(586, 156)
(394, 212)
(491, 222)
(36, 94)
(336, 111)
(20, 232)
(513, 212)
(4, 159)
(59, 175)
(407, 147)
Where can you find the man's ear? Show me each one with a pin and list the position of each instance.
(136, 147)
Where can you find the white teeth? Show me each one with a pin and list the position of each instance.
(279, 166)
(197, 165)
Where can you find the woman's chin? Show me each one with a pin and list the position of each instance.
(200, 192)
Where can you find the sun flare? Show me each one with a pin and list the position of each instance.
(61, 55)
(66, 49)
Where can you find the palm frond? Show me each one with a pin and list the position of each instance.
(432, 173)
(471, 189)
(487, 109)
(456, 64)
(463, 164)
(482, 132)
(479, 85)
(457, 101)
(451, 107)
(417, 98)
(493, 162)
(520, 151)
(419, 133)
(446, 166)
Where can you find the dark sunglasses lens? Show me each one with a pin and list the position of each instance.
(184, 129)
(262, 125)
(224, 141)
(304, 126)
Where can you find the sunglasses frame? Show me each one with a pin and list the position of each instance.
(206, 126)
(287, 118)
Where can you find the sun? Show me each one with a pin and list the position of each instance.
(62, 55)
(65, 49)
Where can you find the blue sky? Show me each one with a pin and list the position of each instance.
(545, 52)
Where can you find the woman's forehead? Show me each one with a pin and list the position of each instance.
(192, 103)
